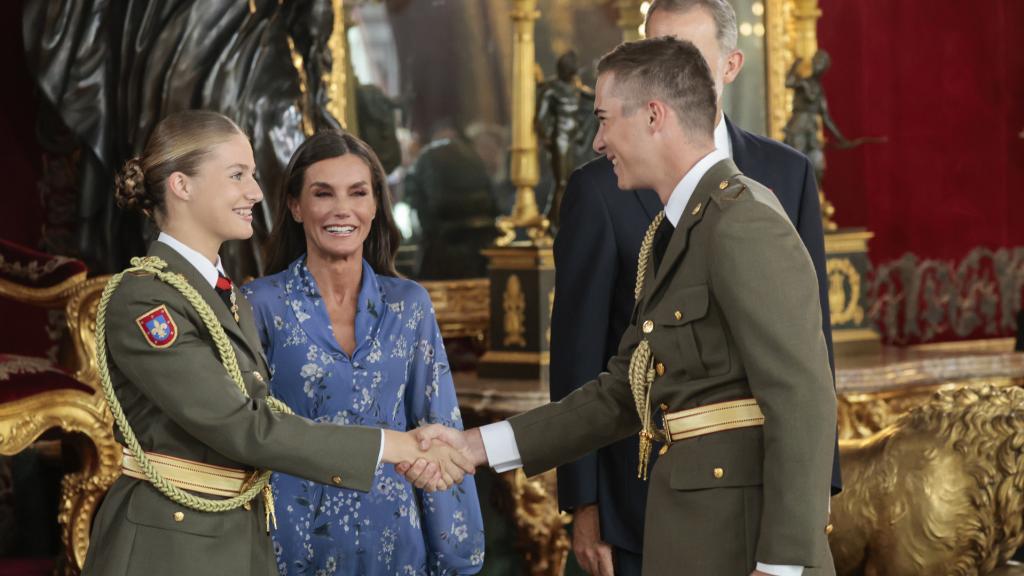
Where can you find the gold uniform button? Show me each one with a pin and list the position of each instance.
(663, 450)
(663, 406)
(723, 184)
(336, 480)
(696, 209)
(678, 314)
(179, 516)
(660, 369)
(718, 473)
(648, 326)
(828, 529)
(247, 505)
(258, 376)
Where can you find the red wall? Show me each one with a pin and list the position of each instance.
(944, 82)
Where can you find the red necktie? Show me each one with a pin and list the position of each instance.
(223, 288)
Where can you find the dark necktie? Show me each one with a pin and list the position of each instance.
(661, 241)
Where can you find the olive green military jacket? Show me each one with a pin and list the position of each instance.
(735, 312)
(181, 402)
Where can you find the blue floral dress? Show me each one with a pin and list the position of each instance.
(397, 378)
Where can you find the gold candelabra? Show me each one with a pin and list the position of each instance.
(525, 216)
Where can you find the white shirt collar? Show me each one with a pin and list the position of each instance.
(682, 192)
(209, 271)
(722, 141)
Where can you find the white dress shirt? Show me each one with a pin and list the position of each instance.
(210, 272)
(499, 439)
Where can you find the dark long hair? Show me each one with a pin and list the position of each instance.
(288, 241)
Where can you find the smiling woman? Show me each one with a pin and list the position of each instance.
(350, 342)
(183, 375)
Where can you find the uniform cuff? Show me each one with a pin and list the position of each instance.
(500, 446)
(780, 570)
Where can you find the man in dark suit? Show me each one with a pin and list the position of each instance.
(596, 260)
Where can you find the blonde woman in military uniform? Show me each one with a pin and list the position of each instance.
(186, 380)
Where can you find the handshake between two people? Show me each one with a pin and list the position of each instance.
(434, 457)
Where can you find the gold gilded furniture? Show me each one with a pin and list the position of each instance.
(38, 395)
(939, 491)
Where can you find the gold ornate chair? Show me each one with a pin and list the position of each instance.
(39, 395)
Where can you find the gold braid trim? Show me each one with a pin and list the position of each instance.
(259, 485)
(641, 363)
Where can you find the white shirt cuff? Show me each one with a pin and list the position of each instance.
(780, 570)
(380, 453)
(500, 446)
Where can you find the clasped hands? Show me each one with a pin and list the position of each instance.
(434, 457)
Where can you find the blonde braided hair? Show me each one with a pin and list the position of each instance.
(641, 363)
(259, 484)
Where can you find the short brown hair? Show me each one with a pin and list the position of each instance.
(721, 12)
(666, 69)
(179, 143)
(288, 240)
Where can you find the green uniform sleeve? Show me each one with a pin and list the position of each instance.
(187, 382)
(765, 284)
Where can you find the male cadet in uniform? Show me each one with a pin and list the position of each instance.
(724, 363)
(595, 272)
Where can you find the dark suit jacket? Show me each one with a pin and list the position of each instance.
(596, 252)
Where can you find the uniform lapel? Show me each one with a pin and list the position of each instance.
(177, 263)
(694, 212)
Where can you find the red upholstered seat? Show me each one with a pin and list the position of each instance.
(27, 267)
(24, 376)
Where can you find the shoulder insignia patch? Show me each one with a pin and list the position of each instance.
(158, 327)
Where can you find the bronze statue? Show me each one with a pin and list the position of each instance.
(809, 103)
(941, 491)
(110, 69)
(563, 112)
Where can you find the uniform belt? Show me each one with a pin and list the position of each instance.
(188, 474)
(713, 418)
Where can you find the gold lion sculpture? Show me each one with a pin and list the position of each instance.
(939, 492)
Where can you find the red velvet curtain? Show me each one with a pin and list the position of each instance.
(944, 82)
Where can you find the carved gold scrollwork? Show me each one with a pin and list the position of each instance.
(514, 304)
(540, 527)
(844, 302)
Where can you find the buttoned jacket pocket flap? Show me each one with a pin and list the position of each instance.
(683, 306)
(148, 507)
(720, 460)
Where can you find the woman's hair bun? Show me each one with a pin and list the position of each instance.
(130, 188)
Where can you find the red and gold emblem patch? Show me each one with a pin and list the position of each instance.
(158, 327)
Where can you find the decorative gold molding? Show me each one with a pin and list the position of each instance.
(844, 305)
(791, 33)
(49, 297)
(539, 526)
(520, 258)
(847, 242)
(514, 306)
(513, 357)
(337, 95)
(936, 492)
(462, 307)
(23, 421)
(778, 57)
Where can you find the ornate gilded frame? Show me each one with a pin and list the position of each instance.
(791, 32)
(81, 414)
